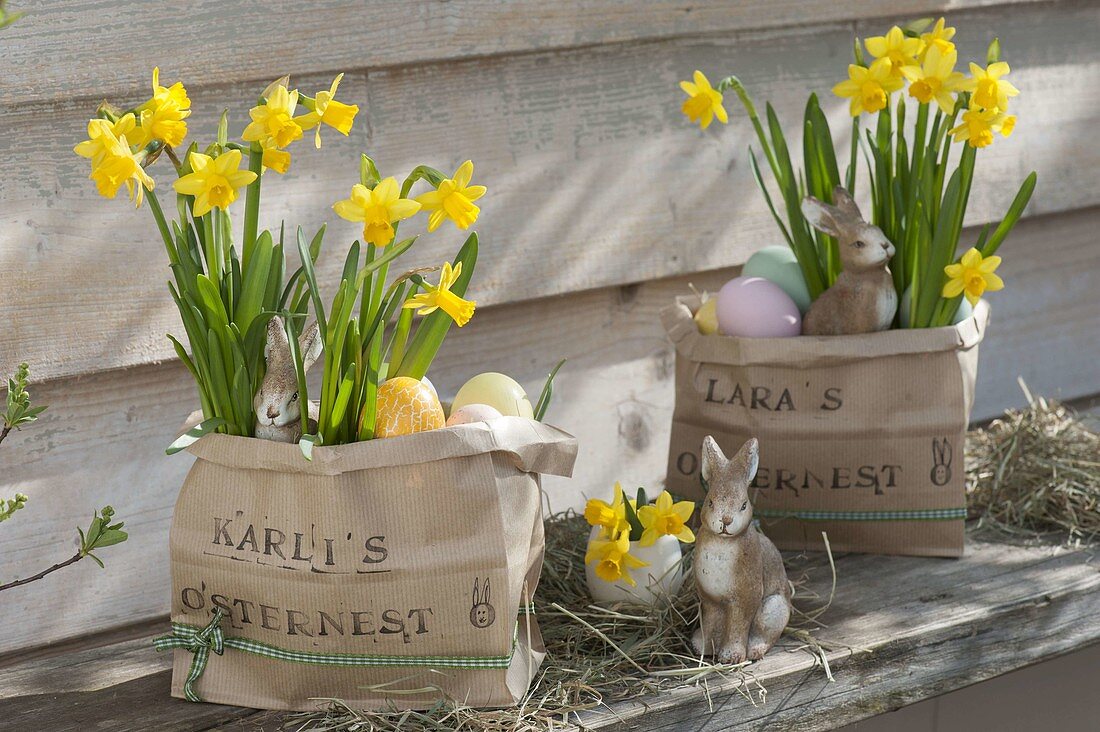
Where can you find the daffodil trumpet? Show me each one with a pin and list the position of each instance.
(919, 191)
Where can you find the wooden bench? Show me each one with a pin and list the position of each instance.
(899, 630)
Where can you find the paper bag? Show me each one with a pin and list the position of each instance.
(394, 572)
(861, 436)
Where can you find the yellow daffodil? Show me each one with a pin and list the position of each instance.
(378, 209)
(665, 518)
(988, 86)
(104, 133)
(936, 79)
(162, 117)
(273, 121)
(325, 109)
(118, 165)
(274, 158)
(453, 199)
(441, 298)
(610, 517)
(896, 47)
(869, 88)
(972, 275)
(613, 559)
(704, 102)
(215, 181)
(939, 37)
(979, 125)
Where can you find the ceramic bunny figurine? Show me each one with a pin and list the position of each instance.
(278, 411)
(863, 298)
(744, 596)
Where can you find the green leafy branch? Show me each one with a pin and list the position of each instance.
(19, 411)
(100, 534)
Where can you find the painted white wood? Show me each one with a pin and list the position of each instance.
(595, 177)
(102, 439)
(92, 48)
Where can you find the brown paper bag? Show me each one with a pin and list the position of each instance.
(385, 573)
(861, 437)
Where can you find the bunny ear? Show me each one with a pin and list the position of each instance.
(846, 203)
(945, 452)
(477, 595)
(277, 343)
(485, 594)
(821, 215)
(713, 459)
(747, 460)
(309, 345)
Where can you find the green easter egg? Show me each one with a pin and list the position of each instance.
(778, 264)
(498, 391)
(965, 309)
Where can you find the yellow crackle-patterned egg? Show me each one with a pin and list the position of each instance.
(405, 406)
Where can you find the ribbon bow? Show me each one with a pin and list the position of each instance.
(200, 643)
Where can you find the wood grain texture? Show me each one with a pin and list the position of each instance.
(900, 629)
(102, 439)
(92, 48)
(595, 177)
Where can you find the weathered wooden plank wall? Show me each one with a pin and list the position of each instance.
(603, 202)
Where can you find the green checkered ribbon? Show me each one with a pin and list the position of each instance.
(924, 514)
(200, 641)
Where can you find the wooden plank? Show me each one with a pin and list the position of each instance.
(103, 438)
(91, 48)
(930, 626)
(595, 178)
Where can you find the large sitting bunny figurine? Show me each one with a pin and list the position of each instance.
(863, 298)
(278, 409)
(744, 595)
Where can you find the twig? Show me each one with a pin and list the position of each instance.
(60, 565)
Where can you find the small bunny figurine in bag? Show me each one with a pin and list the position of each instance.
(744, 595)
(863, 298)
(278, 410)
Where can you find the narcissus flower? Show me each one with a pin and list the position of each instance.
(378, 209)
(936, 79)
(896, 47)
(613, 559)
(453, 199)
(215, 181)
(979, 125)
(162, 117)
(325, 109)
(610, 517)
(939, 37)
(972, 275)
(869, 88)
(118, 165)
(988, 86)
(704, 102)
(273, 121)
(665, 518)
(102, 134)
(441, 298)
(274, 158)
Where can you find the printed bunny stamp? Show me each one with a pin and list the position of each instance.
(941, 462)
(482, 614)
(744, 595)
(863, 298)
(278, 409)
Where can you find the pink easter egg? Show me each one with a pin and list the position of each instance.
(753, 307)
(473, 413)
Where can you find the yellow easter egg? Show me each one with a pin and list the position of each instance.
(405, 406)
(501, 392)
(706, 317)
